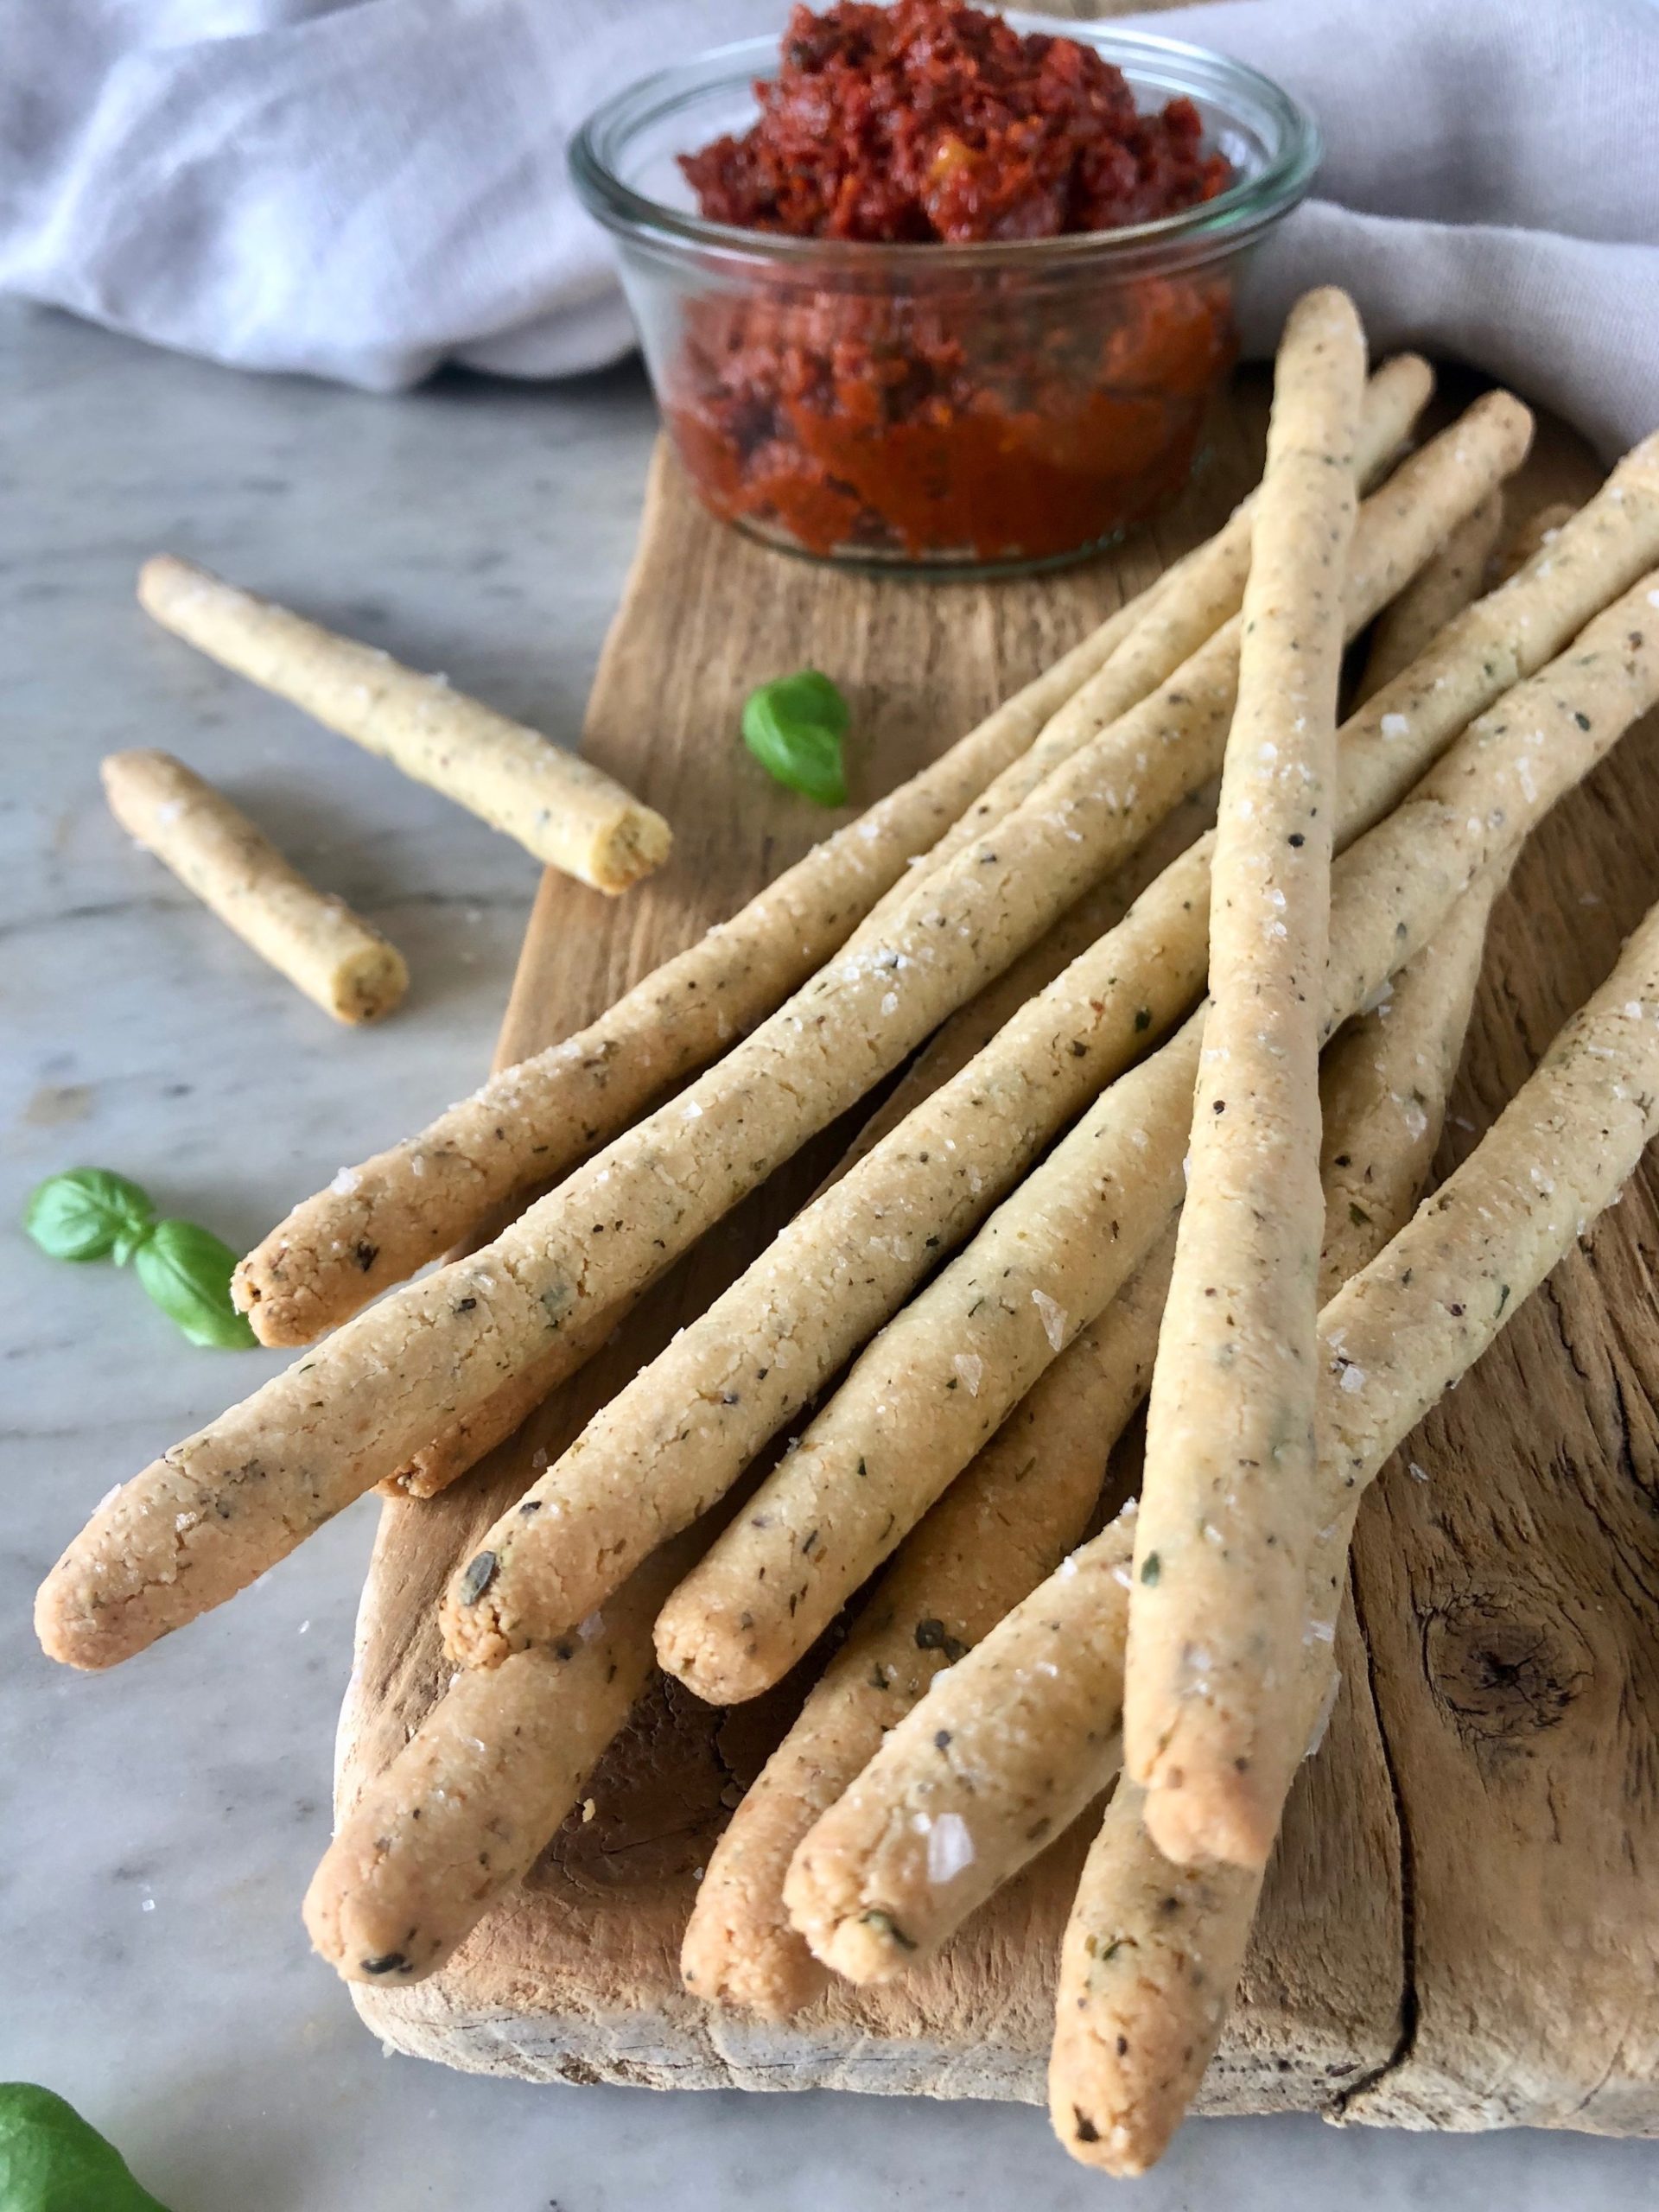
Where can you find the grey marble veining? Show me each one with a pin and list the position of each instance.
(158, 1826)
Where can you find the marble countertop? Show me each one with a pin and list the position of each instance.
(158, 1826)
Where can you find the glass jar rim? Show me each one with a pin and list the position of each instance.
(1224, 224)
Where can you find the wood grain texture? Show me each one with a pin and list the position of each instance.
(1460, 1924)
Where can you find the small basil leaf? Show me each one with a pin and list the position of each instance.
(794, 727)
(187, 1272)
(88, 1214)
(52, 2160)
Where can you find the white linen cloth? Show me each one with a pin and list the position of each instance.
(365, 188)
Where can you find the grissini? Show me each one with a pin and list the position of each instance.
(921, 1399)
(1229, 1422)
(559, 807)
(739, 1373)
(337, 959)
(996, 1534)
(197, 1525)
(413, 1202)
(1145, 1986)
(1032, 1713)
(1453, 579)
(475, 1796)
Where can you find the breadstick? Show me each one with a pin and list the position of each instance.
(339, 962)
(1229, 1422)
(460, 1446)
(991, 1539)
(1135, 2027)
(1212, 589)
(203, 1521)
(1453, 579)
(472, 1800)
(529, 1124)
(919, 1401)
(1530, 536)
(408, 1204)
(860, 1888)
(560, 808)
(981, 1129)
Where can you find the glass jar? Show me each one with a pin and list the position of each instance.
(951, 409)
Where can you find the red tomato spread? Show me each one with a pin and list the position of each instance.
(1011, 412)
(925, 120)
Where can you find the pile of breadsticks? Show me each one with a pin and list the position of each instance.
(1092, 1182)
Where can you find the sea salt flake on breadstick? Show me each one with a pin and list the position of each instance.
(1230, 1424)
(339, 961)
(560, 808)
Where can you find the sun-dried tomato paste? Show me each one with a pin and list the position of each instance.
(996, 413)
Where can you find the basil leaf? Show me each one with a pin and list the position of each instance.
(52, 2160)
(187, 1272)
(794, 727)
(89, 1214)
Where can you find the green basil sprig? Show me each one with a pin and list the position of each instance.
(794, 727)
(52, 2160)
(91, 1214)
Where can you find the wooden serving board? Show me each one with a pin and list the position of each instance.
(1461, 1928)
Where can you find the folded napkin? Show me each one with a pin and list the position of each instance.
(365, 188)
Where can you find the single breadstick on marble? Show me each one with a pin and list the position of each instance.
(921, 1399)
(1036, 862)
(1229, 1422)
(1453, 579)
(1039, 1700)
(412, 1202)
(208, 1517)
(993, 1536)
(1145, 1986)
(340, 964)
(560, 808)
(472, 1800)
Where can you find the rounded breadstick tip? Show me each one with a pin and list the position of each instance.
(1231, 1822)
(768, 1973)
(369, 984)
(366, 1937)
(73, 1632)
